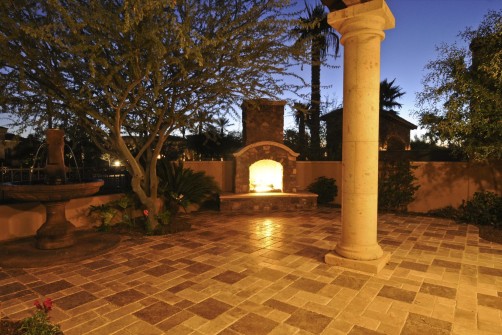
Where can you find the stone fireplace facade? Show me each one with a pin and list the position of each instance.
(265, 150)
(263, 131)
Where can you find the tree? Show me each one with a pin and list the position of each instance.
(389, 93)
(137, 69)
(461, 100)
(222, 122)
(300, 114)
(315, 30)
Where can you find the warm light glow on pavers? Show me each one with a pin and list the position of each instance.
(264, 274)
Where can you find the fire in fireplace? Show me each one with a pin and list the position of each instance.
(265, 176)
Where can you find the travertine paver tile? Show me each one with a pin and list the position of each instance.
(144, 328)
(489, 319)
(209, 308)
(112, 327)
(444, 312)
(284, 328)
(389, 329)
(490, 301)
(309, 321)
(465, 318)
(397, 294)
(440, 272)
(341, 325)
(419, 324)
(86, 327)
(358, 330)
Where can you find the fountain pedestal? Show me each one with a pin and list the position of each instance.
(56, 232)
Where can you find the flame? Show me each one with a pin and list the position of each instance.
(265, 176)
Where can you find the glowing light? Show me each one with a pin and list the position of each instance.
(117, 163)
(265, 176)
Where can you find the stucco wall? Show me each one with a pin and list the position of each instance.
(221, 171)
(449, 183)
(441, 184)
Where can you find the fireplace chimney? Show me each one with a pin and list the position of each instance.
(262, 120)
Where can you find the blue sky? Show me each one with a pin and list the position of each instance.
(421, 25)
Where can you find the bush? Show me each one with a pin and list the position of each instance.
(325, 188)
(485, 208)
(110, 212)
(184, 186)
(448, 212)
(395, 185)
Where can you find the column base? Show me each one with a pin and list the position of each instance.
(372, 266)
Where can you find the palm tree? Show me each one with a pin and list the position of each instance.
(222, 122)
(314, 29)
(389, 93)
(300, 112)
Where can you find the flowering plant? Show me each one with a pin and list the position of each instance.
(46, 306)
(39, 323)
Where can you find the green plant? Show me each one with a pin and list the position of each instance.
(448, 212)
(184, 186)
(485, 208)
(325, 188)
(107, 212)
(396, 188)
(39, 323)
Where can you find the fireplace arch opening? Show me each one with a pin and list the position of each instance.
(265, 176)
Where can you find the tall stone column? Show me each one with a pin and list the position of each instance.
(361, 27)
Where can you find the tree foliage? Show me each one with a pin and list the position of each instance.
(389, 93)
(314, 30)
(130, 72)
(461, 101)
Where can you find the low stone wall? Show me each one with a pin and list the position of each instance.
(23, 219)
(254, 202)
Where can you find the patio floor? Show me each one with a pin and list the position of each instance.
(264, 274)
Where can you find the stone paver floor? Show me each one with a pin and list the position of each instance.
(264, 274)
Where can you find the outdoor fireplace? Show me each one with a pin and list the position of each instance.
(265, 169)
(265, 164)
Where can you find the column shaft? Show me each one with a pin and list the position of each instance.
(361, 27)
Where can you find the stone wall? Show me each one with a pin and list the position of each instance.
(265, 150)
(262, 120)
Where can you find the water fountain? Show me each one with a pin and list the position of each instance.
(54, 193)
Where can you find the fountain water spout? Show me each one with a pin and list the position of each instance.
(55, 169)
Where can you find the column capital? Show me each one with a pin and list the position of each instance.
(376, 15)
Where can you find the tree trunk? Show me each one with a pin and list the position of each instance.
(301, 134)
(315, 102)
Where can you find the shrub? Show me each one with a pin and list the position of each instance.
(484, 208)
(184, 186)
(325, 188)
(396, 187)
(448, 212)
(125, 206)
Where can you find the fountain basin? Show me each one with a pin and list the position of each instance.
(40, 192)
(56, 232)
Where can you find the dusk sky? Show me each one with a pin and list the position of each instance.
(421, 25)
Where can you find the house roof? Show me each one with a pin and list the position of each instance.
(337, 113)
